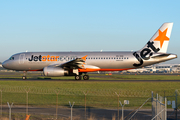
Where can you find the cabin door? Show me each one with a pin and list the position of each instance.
(21, 58)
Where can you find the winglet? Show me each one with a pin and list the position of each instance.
(84, 58)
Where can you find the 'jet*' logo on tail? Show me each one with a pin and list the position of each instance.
(154, 45)
(162, 37)
(144, 53)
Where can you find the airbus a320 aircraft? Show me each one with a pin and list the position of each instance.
(78, 63)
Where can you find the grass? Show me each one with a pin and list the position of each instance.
(100, 94)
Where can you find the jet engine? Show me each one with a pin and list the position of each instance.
(54, 71)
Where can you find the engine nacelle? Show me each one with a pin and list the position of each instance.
(54, 71)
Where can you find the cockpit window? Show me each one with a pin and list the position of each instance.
(11, 58)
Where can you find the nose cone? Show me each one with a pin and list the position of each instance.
(5, 64)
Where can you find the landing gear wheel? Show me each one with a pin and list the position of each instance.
(86, 77)
(24, 77)
(78, 77)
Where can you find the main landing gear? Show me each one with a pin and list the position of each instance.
(85, 77)
(78, 77)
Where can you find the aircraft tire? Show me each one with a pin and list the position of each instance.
(86, 77)
(24, 77)
(78, 77)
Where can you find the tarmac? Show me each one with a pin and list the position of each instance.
(142, 114)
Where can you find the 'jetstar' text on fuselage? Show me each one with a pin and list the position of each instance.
(43, 58)
(50, 58)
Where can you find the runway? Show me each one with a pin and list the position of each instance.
(12, 79)
(33, 76)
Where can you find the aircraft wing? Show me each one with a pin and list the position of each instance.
(74, 64)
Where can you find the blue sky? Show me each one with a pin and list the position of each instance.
(84, 25)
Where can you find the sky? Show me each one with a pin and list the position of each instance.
(84, 25)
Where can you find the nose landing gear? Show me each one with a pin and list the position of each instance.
(24, 76)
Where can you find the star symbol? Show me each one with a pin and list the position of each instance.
(162, 37)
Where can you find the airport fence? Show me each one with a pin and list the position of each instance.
(95, 97)
(56, 100)
(159, 108)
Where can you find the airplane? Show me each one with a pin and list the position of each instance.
(80, 63)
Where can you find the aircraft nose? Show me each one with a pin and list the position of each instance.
(5, 64)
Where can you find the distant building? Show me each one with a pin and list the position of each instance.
(158, 68)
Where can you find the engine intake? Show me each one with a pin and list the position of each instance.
(54, 71)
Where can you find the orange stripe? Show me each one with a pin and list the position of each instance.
(93, 70)
(115, 69)
(88, 70)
